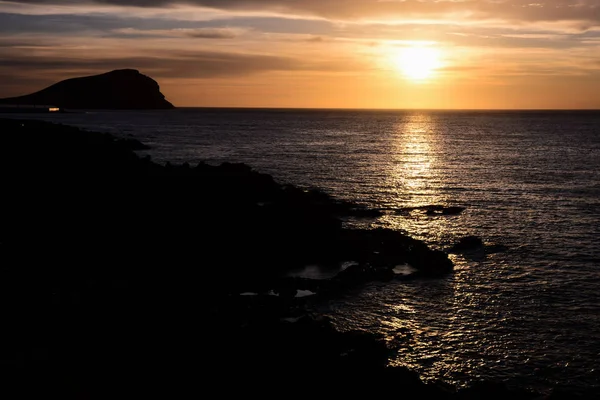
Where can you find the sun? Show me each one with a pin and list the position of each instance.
(418, 63)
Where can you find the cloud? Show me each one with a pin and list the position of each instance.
(517, 10)
(174, 64)
(212, 33)
(170, 64)
(315, 39)
(128, 22)
(198, 33)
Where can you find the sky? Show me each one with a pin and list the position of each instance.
(386, 54)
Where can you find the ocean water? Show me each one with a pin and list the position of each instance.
(530, 185)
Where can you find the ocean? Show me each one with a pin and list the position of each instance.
(528, 313)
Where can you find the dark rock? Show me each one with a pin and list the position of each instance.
(452, 210)
(133, 144)
(119, 89)
(433, 210)
(565, 393)
(360, 274)
(494, 391)
(467, 243)
(431, 263)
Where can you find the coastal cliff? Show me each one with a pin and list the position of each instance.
(116, 90)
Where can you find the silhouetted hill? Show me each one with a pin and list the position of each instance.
(119, 89)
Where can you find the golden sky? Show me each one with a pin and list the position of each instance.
(442, 54)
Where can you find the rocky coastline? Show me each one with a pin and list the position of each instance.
(117, 285)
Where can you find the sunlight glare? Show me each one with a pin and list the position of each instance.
(418, 62)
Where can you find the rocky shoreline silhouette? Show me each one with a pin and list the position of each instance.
(116, 285)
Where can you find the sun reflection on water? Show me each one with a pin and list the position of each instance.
(416, 177)
(415, 160)
(453, 328)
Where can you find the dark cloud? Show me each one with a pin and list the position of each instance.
(18, 42)
(62, 23)
(171, 64)
(13, 84)
(19, 66)
(12, 23)
(549, 10)
(210, 33)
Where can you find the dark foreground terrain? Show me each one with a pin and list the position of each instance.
(123, 278)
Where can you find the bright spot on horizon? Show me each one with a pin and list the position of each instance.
(417, 62)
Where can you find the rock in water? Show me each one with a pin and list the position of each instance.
(120, 89)
(467, 243)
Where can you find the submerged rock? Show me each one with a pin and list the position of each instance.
(433, 210)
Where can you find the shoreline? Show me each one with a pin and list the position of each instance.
(91, 246)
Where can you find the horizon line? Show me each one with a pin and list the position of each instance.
(384, 109)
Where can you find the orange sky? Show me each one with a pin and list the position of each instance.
(309, 53)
